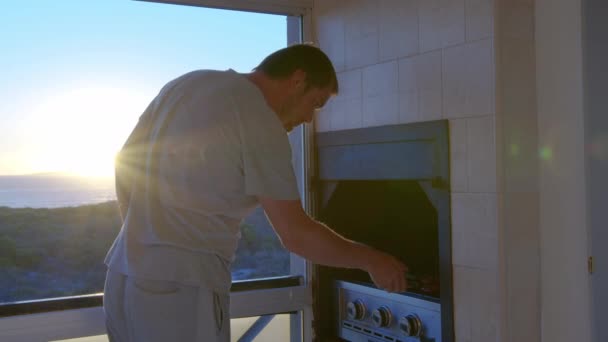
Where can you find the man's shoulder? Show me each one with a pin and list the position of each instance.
(226, 81)
(228, 74)
(203, 84)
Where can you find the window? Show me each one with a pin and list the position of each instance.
(76, 77)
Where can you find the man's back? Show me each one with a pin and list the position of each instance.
(206, 135)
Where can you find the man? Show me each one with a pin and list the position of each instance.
(208, 149)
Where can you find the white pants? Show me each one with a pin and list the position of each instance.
(140, 310)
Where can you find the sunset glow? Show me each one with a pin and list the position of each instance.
(80, 130)
(73, 86)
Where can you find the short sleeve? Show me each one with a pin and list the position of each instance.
(266, 153)
(267, 166)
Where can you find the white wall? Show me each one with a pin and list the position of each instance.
(564, 279)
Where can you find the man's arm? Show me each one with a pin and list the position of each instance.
(316, 242)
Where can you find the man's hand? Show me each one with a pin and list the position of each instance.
(387, 272)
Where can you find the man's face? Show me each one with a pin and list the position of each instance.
(302, 105)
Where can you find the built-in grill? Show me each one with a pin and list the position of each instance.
(387, 187)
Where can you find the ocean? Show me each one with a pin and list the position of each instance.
(54, 190)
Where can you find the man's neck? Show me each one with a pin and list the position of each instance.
(271, 89)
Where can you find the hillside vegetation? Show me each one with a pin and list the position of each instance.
(47, 253)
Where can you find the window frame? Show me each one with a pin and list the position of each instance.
(282, 7)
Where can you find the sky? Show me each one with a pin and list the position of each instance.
(76, 74)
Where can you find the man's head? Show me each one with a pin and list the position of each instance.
(296, 81)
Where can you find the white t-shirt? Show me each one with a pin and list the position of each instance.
(217, 147)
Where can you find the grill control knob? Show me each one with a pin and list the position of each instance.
(410, 325)
(381, 316)
(355, 310)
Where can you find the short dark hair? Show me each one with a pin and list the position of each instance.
(320, 73)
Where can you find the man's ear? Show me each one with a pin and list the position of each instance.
(298, 79)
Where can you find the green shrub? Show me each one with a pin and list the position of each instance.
(29, 257)
(8, 249)
(6, 262)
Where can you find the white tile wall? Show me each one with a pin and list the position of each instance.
(361, 33)
(479, 19)
(474, 230)
(458, 155)
(429, 69)
(409, 90)
(330, 37)
(481, 154)
(350, 84)
(380, 94)
(473, 155)
(420, 88)
(398, 28)
(442, 23)
(347, 108)
(463, 313)
(323, 117)
(468, 79)
(346, 114)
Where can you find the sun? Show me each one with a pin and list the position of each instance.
(80, 130)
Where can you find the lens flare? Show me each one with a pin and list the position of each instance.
(514, 150)
(546, 153)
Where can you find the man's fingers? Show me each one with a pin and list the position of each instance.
(402, 283)
(403, 279)
(392, 276)
(397, 283)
